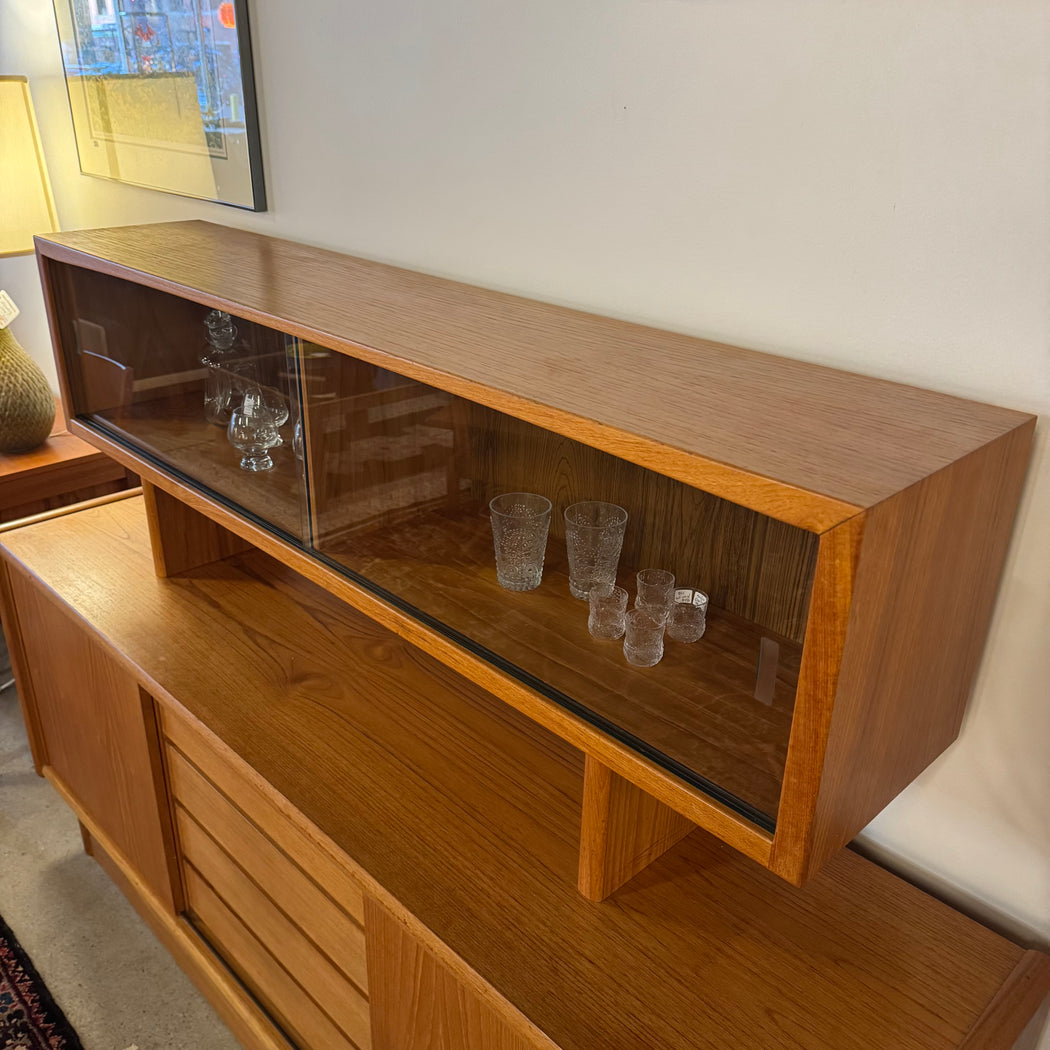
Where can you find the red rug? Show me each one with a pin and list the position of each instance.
(29, 1018)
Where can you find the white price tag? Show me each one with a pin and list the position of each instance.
(8, 310)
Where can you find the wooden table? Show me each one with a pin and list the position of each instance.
(61, 471)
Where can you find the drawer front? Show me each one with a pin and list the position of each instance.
(244, 788)
(308, 907)
(324, 983)
(272, 985)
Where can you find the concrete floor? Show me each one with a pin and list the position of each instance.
(117, 985)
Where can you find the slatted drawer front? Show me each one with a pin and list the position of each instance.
(301, 953)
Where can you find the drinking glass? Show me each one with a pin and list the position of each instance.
(688, 619)
(520, 521)
(608, 612)
(643, 640)
(593, 538)
(655, 593)
(253, 434)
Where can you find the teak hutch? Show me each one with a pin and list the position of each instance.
(394, 798)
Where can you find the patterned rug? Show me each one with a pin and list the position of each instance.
(29, 1018)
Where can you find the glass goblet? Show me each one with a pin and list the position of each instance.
(253, 434)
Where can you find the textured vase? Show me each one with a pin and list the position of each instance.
(27, 406)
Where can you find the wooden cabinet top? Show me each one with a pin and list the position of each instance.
(807, 444)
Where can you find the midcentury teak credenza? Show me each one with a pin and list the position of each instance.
(407, 808)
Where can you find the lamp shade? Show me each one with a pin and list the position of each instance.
(26, 205)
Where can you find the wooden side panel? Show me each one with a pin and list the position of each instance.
(622, 831)
(97, 725)
(926, 585)
(183, 539)
(818, 680)
(419, 1004)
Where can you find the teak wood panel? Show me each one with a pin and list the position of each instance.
(246, 1019)
(308, 1025)
(181, 538)
(284, 826)
(622, 831)
(278, 876)
(98, 731)
(701, 949)
(325, 984)
(419, 1004)
(800, 442)
(931, 561)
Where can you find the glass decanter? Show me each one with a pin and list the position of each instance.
(219, 386)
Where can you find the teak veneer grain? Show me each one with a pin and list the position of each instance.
(363, 734)
(800, 442)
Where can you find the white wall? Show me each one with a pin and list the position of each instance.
(863, 184)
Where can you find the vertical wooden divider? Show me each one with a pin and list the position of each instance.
(622, 830)
(183, 538)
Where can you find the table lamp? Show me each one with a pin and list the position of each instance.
(27, 406)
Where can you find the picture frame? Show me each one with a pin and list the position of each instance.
(162, 95)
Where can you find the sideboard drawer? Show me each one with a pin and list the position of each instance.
(275, 874)
(308, 1025)
(240, 784)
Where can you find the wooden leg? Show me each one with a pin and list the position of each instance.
(85, 837)
(183, 538)
(622, 831)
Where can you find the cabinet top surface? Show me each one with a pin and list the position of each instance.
(703, 949)
(805, 443)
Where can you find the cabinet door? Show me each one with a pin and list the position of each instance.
(98, 729)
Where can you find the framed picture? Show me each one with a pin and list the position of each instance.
(162, 95)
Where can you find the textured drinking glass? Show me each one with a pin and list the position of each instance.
(655, 593)
(608, 611)
(593, 538)
(688, 619)
(520, 521)
(643, 640)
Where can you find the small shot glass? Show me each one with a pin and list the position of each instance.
(688, 619)
(655, 593)
(608, 613)
(643, 640)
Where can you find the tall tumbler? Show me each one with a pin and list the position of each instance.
(593, 538)
(520, 521)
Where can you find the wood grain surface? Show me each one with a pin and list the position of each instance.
(234, 1004)
(803, 443)
(472, 824)
(419, 1003)
(61, 471)
(283, 996)
(925, 589)
(622, 831)
(181, 538)
(278, 877)
(96, 725)
(696, 706)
